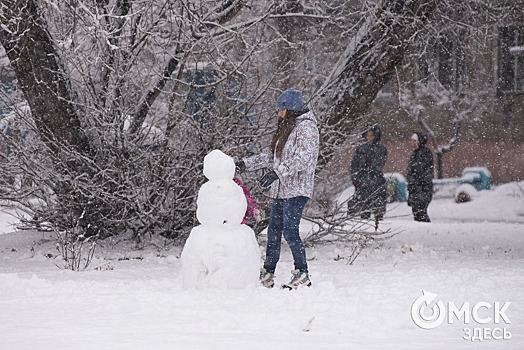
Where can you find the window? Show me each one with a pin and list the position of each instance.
(452, 68)
(511, 59)
(213, 96)
(445, 62)
(202, 98)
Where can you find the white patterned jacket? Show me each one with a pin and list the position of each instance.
(296, 167)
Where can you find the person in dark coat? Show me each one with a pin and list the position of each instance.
(420, 178)
(367, 176)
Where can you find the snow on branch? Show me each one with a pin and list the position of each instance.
(225, 11)
(145, 104)
(516, 50)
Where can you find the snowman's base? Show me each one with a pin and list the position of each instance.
(226, 256)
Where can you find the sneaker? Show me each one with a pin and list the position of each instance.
(299, 279)
(267, 279)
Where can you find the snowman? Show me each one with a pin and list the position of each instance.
(220, 252)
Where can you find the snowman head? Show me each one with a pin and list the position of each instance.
(218, 166)
(220, 200)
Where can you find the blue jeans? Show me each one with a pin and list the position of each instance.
(284, 219)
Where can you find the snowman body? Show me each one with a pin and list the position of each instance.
(220, 252)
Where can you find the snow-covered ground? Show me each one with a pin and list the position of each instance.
(471, 253)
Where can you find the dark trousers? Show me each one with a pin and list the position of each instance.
(420, 212)
(284, 220)
(367, 201)
(419, 199)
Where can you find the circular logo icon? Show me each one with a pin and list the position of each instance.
(426, 312)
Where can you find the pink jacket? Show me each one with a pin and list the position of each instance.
(251, 201)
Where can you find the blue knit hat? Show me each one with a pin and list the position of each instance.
(290, 99)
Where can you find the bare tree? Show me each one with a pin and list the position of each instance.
(387, 30)
(395, 38)
(92, 75)
(126, 97)
(441, 84)
(440, 150)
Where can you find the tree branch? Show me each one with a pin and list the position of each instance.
(226, 11)
(145, 105)
(222, 13)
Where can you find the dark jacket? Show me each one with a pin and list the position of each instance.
(420, 174)
(367, 176)
(368, 163)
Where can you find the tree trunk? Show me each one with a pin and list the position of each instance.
(439, 165)
(367, 64)
(41, 77)
(286, 27)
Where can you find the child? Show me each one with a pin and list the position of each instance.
(252, 211)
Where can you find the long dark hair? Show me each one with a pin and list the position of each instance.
(284, 128)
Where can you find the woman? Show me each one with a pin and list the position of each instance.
(367, 176)
(420, 178)
(292, 158)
